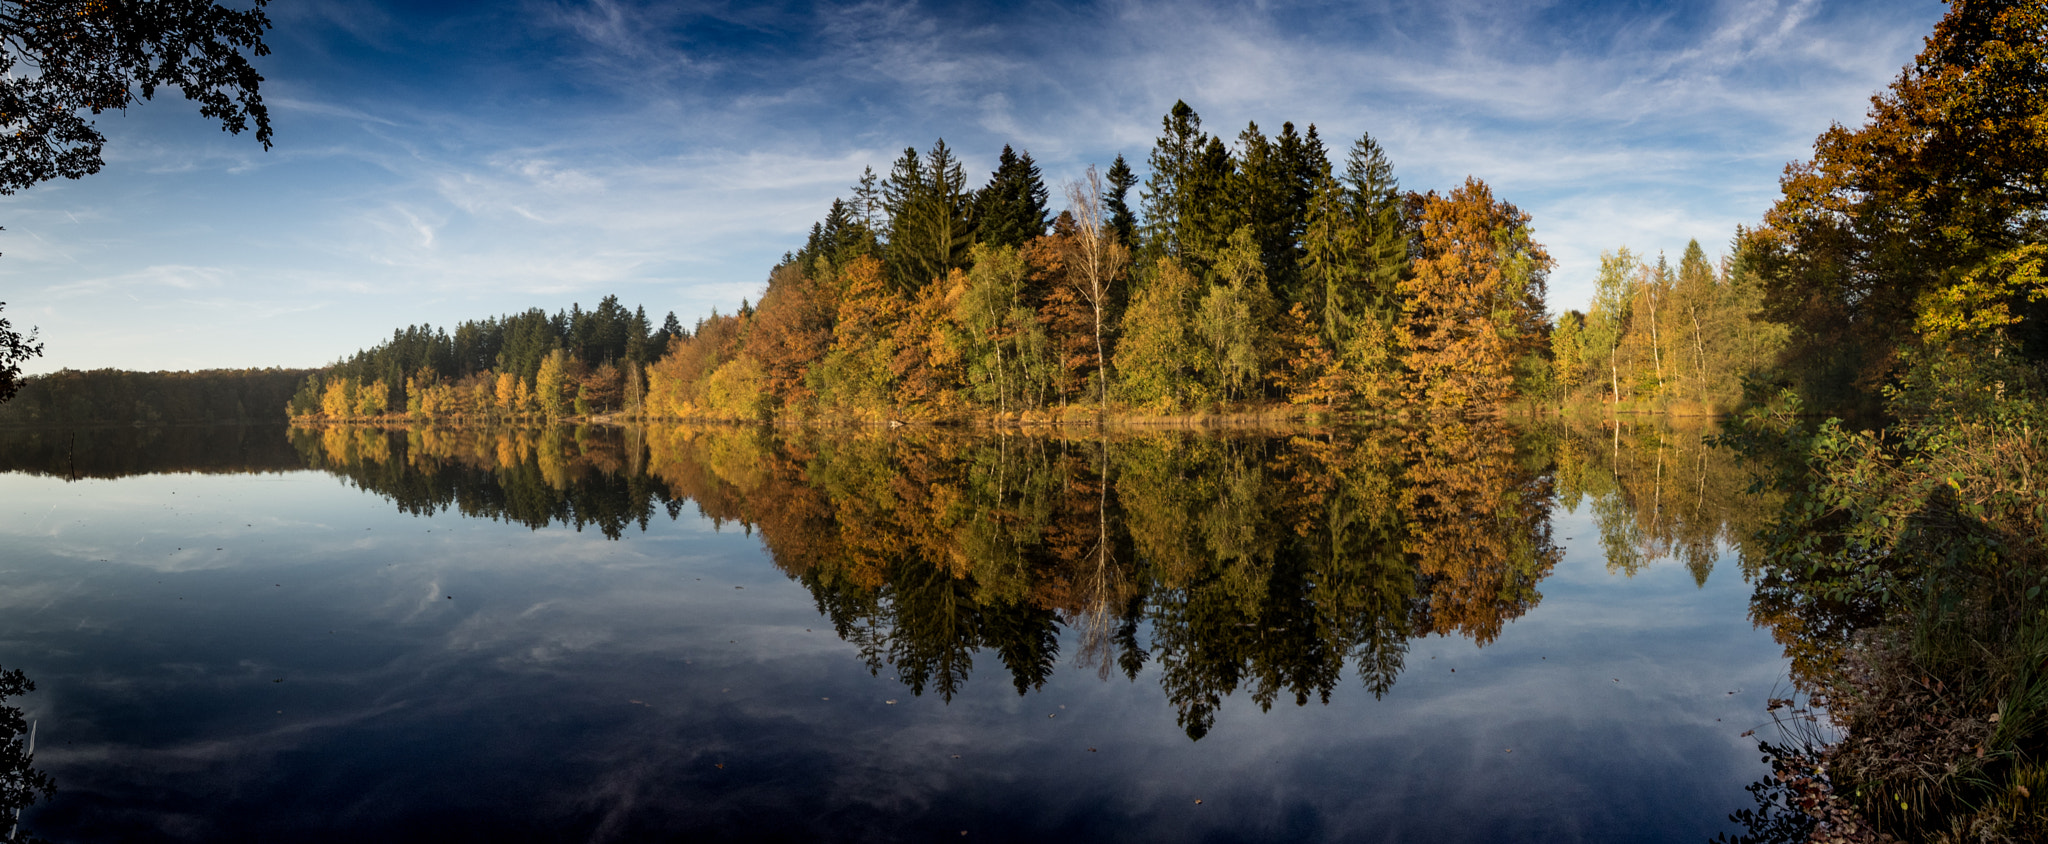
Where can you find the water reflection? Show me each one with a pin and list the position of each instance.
(77, 453)
(237, 642)
(1661, 491)
(1252, 561)
(21, 785)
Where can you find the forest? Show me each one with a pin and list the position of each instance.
(73, 399)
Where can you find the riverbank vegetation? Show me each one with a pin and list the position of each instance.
(1906, 260)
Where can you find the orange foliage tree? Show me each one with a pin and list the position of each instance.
(1474, 303)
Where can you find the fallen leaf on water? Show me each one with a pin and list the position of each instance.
(1748, 733)
(720, 766)
(1198, 801)
(893, 703)
(1091, 750)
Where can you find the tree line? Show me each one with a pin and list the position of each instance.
(73, 398)
(1688, 339)
(531, 365)
(1249, 271)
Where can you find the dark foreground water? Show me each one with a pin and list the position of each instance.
(1459, 634)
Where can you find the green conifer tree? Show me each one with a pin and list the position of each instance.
(1012, 209)
(1117, 200)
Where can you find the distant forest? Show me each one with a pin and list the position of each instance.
(71, 398)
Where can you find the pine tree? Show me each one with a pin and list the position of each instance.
(867, 199)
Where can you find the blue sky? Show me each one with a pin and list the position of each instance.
(436, 162)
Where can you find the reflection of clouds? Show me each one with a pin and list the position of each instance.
(512, 701)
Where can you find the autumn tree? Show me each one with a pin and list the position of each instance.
(1152, 362)
(855, 375)
(1234, 319)
(554, 386)
(789, 333)
(1009, 359)
(1932, 206)
(1474, 303)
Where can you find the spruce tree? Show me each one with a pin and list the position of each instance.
(1210, 213)
(867, 198)
(1382, 236)
(1263, 190)
(1166, 195)
(1012, 209)
(929, 227)
(1121, 220)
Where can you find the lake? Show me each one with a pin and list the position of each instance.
(1463, 632)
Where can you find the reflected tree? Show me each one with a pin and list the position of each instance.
(21, 785)
(1255, 562)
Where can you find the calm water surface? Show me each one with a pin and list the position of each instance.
(1468, 633)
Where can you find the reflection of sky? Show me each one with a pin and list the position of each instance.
(449, 678)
